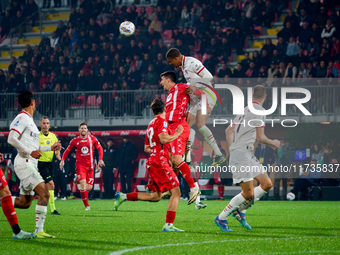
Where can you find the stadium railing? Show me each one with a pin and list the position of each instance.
(324, 105)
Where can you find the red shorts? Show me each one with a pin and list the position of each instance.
(178, 146)
(162, 177)
(3, 182)
(84, 173)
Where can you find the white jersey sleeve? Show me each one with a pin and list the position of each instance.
(19, 123)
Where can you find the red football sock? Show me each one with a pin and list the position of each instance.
(85, 197)
(185, 170)
(133, 196)
(220, 190)
(170, 217)
(8, 209)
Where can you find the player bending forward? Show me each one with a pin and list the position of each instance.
(241, 138)
(84, 145)
(162, 177)
(24, 136)
(8, 208)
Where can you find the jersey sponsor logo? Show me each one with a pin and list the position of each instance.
(165, 124)
(48, 142)
(83, 141)
(84, 150)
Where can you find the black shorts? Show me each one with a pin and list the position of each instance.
(46, 171)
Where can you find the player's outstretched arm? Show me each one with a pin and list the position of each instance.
(262, 138)
(229, 134)
(165, 138)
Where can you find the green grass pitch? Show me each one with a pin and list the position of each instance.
(278, 228)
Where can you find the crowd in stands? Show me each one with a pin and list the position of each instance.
(88, 53)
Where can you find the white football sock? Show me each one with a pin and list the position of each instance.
(209, 138)
(189, 143)
(13, 200)
(123, 196)
(198, 199)
(232, 206)
(40, 215)
(258, 193)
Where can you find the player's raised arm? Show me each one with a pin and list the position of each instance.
(165, 138)
(262, 138)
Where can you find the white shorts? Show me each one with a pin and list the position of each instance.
(196, 106)
(244, 165)
(28, 175)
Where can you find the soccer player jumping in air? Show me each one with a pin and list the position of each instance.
(176, 110)
(245, 167)
(162, 177)
(84, 145)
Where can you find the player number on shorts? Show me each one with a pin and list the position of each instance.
(150, 135)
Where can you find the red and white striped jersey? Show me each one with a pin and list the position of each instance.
(176, 103)
(84, 150)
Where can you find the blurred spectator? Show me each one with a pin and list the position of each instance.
(329, 30)
(308, 178)
(127, 153)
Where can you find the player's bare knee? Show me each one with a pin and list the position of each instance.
(248, 195)
(267, 186)
(176, 192)
(155, 197)
(23, 205)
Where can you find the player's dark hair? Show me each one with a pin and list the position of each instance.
(82, 124)
(157, 106)
(24, 98)
(173, 53)
(169, 75)
(259, 92)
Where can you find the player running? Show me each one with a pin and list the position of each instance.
(176, 109)
(241, 137)
(84, 145)
(24, 136)
(45, 163)
(162, 177)
(8, 208)
(193, 70)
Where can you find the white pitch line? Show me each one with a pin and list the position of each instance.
(221, 241)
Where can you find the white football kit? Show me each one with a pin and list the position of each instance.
(25, 166)
(243, 164)
(193, 70)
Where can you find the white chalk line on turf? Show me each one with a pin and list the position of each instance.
(221, 241)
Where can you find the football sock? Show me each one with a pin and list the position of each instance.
(51, 200)
(13, 200)
(198, 199)
(232, 206)
(40, 216)
(258, 193)
(220, 189)
(133, 196)
(209, 138)
(189, 143)
(85, 197)
(8, 209)
(170, 217)
(185, 170)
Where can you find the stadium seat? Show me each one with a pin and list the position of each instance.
(148, 10)
(259, 29)
(273, 31)
(258, 44)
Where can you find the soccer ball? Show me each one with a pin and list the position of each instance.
(127, 28)
(290, 196)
